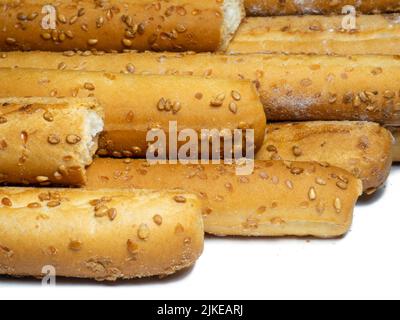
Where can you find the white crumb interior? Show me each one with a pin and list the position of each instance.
(93, 126)
(233, 14)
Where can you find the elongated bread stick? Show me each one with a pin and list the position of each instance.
(396, 148)
(374, 34)
(134, 105)
(172, 25)
(295, 7)
(102, 234)
(47, 140)
(292, 88)
(362, 148)
(278, 199)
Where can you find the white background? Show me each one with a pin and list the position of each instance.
(364, 264)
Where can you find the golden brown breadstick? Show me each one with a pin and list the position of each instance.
(47, 140)
(374, 34)
(295, 7)
(102, 234)
(362, 148)
(396, 148)
(292, 88)
(171, 25)
(136, 104)
(278, 199)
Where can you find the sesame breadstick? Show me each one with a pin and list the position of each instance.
(396, 148)
(47, 140)
(374, 34)
(362, 148)
(103, 234)
(295, 7)
(292, 88)
(112, 25)
(278, 199)
(134, 105)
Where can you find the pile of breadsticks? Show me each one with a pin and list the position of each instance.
(83, 83)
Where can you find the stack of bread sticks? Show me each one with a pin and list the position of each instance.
(84, 82)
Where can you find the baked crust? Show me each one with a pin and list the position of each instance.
(375, 34)
(112, 25)
(101, 234)
(362, 148)
(292, 88)
(278, 199)
(294, 7)
(47, 141)
(132, 103)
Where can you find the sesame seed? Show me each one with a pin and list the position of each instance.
(289, 184)
(93, 42)
(53, 204)
(73, 139)
(11, 41)
(161, 104)
(130, 68)
(181, 28)
(320, 181)
(272, 148)
(42, 179)
(342, 185)
(44, 197)
(176, 107)
(297, 151)
(75, 245)
(61, 18)
(46, 36)
(101, 211)
(264, 175)
(233, 107)
(89, 86)
(218, 101)
(112, 214)
(61, 66)
(81, 12)
(158, 220)
(229, 186)
(33, 16)
(54, 139)
(52, 251)
(312, 194)
(143, 232)
(262, 210)
(338, 205)
(69, 34)
(180, 199)
(94, 202)
(236, 95)
(58, 175)
(132, 246)
(127, 42)
(296, 171)
(6, 202)
(34, 205)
